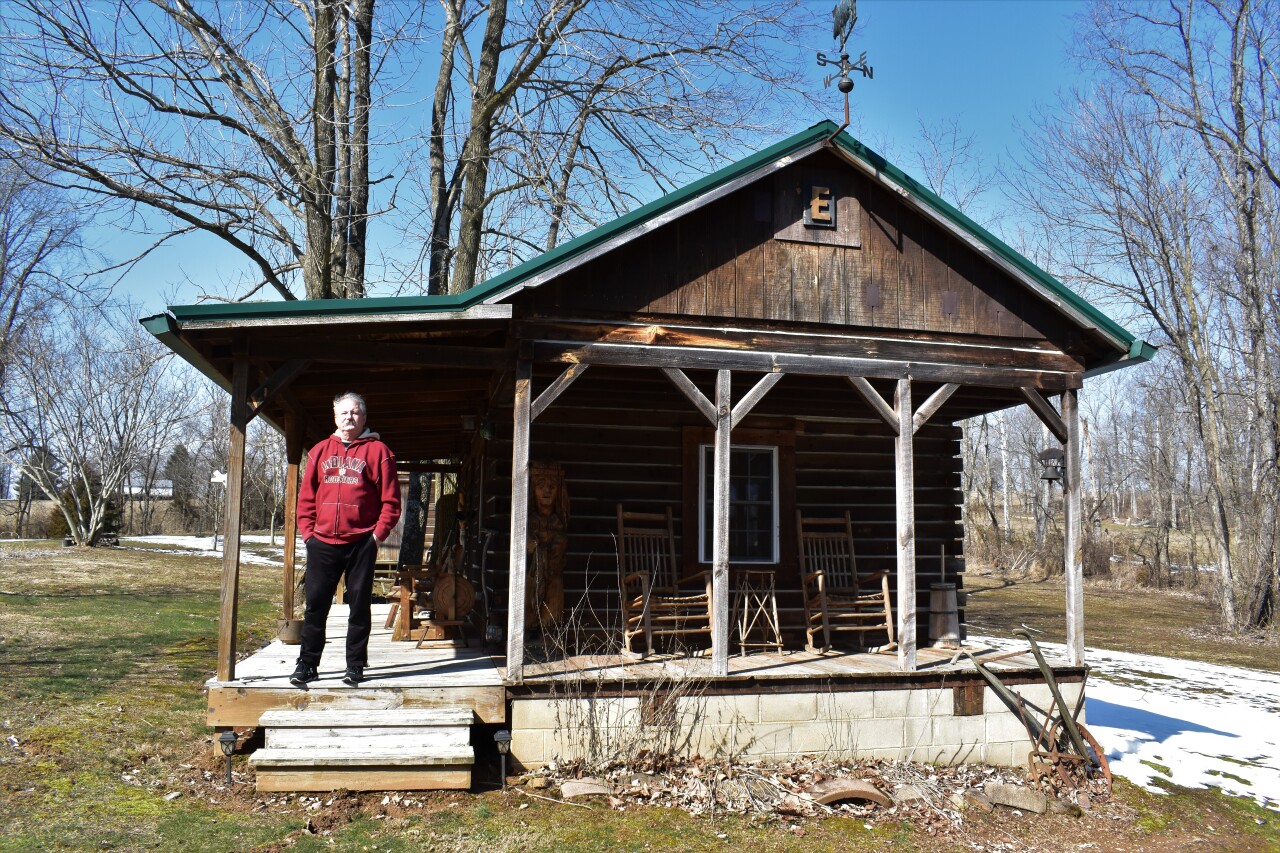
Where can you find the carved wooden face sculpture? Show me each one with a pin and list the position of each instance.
(547, 490)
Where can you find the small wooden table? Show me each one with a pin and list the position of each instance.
(755, 609)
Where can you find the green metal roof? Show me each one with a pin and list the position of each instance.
(495, 289)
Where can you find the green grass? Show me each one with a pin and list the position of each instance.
(1141, 621)
(104, 654)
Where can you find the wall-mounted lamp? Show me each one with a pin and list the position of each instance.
(227, 740)
(1051, 459)
(502, 739)
(468, 423)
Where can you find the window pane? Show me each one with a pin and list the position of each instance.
(752, 504)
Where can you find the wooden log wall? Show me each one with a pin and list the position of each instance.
(620, 436)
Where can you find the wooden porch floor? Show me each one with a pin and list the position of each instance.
(400, 675)
(391, 664)
(770, 666)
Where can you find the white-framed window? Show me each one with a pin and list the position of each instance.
(753, 503)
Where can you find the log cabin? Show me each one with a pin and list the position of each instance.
(797, 335)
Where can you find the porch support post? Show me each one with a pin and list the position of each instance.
(720, 528)
(904, 467)
(228, 610)
(1073, 534)
(293, 456)
(519, 520)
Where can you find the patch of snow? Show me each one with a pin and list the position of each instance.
(263, 554)
(1182, 722)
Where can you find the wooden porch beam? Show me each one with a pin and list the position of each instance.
(293, 457)
(1073, 531)
(229, 603)
(637, 355)
(367, 352)
(686, 386)
(882, 409)
(519, 520)
(276, 382)
(904, 485)
(720, 527)
(931, 406)
(1045, 411)
(555, 389)
(755, 395)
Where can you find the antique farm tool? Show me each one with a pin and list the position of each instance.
(1064, 755)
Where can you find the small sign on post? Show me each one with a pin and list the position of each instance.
(218, 478)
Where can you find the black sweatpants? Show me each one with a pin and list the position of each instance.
(326, 564)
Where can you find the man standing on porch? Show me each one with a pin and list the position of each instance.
(348, 502)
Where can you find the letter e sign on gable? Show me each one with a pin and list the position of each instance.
(817, 206)
(821, 210)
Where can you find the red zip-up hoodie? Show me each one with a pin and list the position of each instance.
(349, 491)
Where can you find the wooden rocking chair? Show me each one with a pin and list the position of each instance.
(653, 603)
(836, 597)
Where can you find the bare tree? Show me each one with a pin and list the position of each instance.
(37, 233)
(254, 122)
(1162, 185)
(553, 116)
(82, 397)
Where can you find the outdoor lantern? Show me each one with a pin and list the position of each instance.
(468, 423)
(1051, 459)
(502, 739)
(227, 740)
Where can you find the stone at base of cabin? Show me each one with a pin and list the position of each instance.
(538, 783)
(908, 794)
(834, 790)
(979, 800)
(584, 788)
(1063, 807)
(1017, 797)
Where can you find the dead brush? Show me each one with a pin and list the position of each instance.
(612, 709)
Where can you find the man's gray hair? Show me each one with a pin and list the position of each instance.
(353, 396)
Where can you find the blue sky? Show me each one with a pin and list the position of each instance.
(987, 64)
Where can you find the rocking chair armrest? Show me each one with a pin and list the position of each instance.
(701, 577)
(635, 576)
(874, 577)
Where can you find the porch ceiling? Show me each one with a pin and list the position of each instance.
(419, 379)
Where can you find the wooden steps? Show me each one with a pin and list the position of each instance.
(362, 749)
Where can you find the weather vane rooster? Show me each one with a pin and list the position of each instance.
(844, 16)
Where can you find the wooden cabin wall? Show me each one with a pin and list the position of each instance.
(724, 261)
(619, 435)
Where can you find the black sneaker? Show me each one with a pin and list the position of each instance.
(302, 675)
(353, 676)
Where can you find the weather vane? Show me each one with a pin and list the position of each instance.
(844, 16)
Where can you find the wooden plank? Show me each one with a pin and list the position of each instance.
(692, 392)
(293, 456)
(363, 779)
(904, 465)
(778, 362)
(519, 522)
(931, 405)
(244, 706)
(994, 351)
(1045, 412)
(755, 395)
(388, 354)
(269, 757)
(333, 717)
(882, 409)
(720, 527)
(229, 604)
(275, 383)
(555, 389)
(1073, 531)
